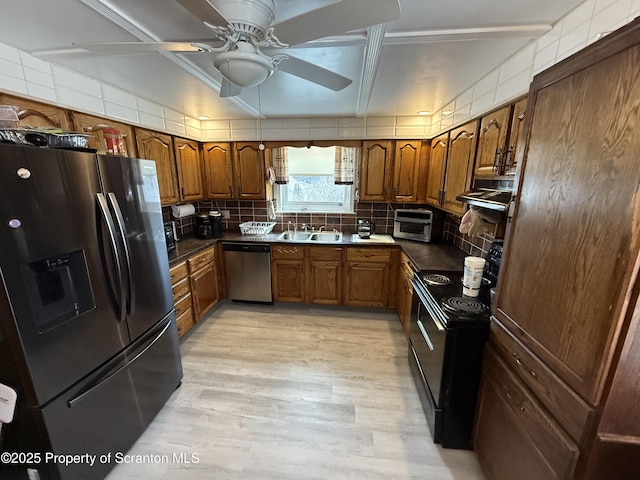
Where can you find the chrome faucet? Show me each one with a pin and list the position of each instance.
(304, 227)
(295, 226)
(322, 228)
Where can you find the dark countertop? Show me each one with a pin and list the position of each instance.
(426, 256)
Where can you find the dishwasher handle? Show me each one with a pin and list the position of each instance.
(246, 247)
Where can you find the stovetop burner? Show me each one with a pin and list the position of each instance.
(436, 279)
(463, 305)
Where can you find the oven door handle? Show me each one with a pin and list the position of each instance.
(425, 335)
(439, 325)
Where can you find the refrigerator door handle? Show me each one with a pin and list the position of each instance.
(108, 220)
(84, 393)
(123, 236)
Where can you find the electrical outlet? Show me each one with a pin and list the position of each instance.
(225, 213)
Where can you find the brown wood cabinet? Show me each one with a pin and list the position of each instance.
(249, 171)
(324, 275)
(95, 126)
(567, 301)
(204, 282)
(182, 299)
(288, 279)
(436, 169)
(451, 167)
(35, 114)
(159, 147)
(366, 277)
(189, 167)
(218, 170)
(406, 171)
(405, 292)
(377, 171)
(500, 132)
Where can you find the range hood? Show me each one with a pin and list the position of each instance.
(487, 198)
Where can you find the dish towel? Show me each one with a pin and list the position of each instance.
(271, 210)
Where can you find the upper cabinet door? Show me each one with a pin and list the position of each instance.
(375, 175)
(249, 171)
(34, 114)
(435, 171)
(159, 147)
(492, 141)
(462, 149)
(218, 170)
(405, 171)
(95, 126)
(189, 167)
(515, 133)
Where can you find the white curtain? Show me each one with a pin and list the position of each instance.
(281, 164)
(344, 169)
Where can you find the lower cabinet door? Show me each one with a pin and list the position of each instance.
(366, 284)
(325, 283)
(514, 438)
(204, 290)
(287, 280)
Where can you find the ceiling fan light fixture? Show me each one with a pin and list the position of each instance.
(245, 69)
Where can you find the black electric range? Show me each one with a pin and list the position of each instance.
(447, 334)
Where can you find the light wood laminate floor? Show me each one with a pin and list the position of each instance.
(295, 392)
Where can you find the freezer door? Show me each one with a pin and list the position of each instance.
(110, 410)
(59, 276)
(131, 189)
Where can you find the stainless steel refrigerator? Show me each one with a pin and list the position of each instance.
(87, 327)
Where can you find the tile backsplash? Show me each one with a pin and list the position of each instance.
(477, 245)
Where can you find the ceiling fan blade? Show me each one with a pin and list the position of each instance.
(229, 89)
(204, 11)
(132, 48)
(336, 18)
(313, 73)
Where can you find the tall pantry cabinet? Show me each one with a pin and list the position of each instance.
(560, 388)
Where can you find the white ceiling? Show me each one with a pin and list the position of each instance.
(417, 69)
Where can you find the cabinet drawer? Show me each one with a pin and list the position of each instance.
(571, 412)
(560, 453)
(181, 288)
(183, 304)
(178, 272)
(184, 322)
(287, 252)
(198, 261)
(331, 254)
(373, 255)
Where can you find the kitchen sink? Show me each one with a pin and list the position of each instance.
(315, 237)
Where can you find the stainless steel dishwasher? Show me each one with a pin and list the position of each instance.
(248, 271)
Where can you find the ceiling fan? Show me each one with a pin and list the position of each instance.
(247, 47)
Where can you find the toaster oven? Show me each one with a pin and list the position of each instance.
(413, 224)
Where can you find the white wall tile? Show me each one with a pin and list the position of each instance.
(326, 122)
(296, 133)
(12, 84)
(464, 98)
(352, 132)
(352, 122)
(416, 120)
(486, 84)
(635, 10)
(244, 124)
(151, 121)
(175, 127)
(463, 110)
(79, 100)
(602, 4)
(244, 134)
(483, 103)
(41, 92)
(193, 132)
(119, 96)
(216, 135)
(327, 133)
(295, 123)
(77, 81)
(11, 69)
(270, 123)
(546, 57)
(447, 121)
(215, 125)
(146, 106)
(448, 109)
(575, 39)
(410, 132)
(9, 53)
(381, 122)
(514, 87)
(192, 122)
(518, 62)
(379, 132)
(39, 77)
(121, 112)
(610, 18)
(173, 116)
(578, 16)
(35, 63)
(551, 36)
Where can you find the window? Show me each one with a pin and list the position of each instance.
(311, 186)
